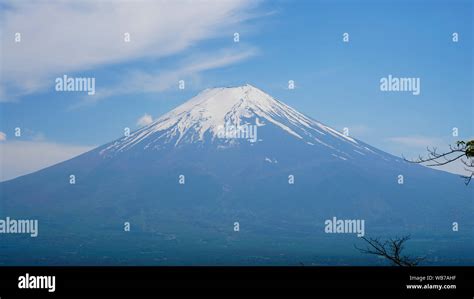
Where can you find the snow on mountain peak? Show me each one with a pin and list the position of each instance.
(214, 109)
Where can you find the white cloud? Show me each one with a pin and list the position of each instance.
(3, 136)
(22, 157)
(420, 142)
(3, 96)
(139, 81)
(63, 36)
(415, 146)
(359, 130)
(455, 167)
(146, 119)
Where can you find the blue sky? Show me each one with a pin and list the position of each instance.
(336, 83)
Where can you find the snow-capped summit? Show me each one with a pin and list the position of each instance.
(183, 186)
(205, 116)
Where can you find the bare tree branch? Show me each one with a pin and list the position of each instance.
(460, 150)
(390, 249)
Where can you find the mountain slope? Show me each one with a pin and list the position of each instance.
(182, 184)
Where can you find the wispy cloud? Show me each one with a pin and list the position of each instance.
(420, 142)
(60, 37)
(146, 119)
(3, 136)
(414, 146)
(456, 167)
(359, 130)
(3, 96)
(23, 157)
(139, 81)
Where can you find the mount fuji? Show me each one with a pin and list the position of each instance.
(185, 182)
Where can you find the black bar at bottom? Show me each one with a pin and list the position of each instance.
(311, 282)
